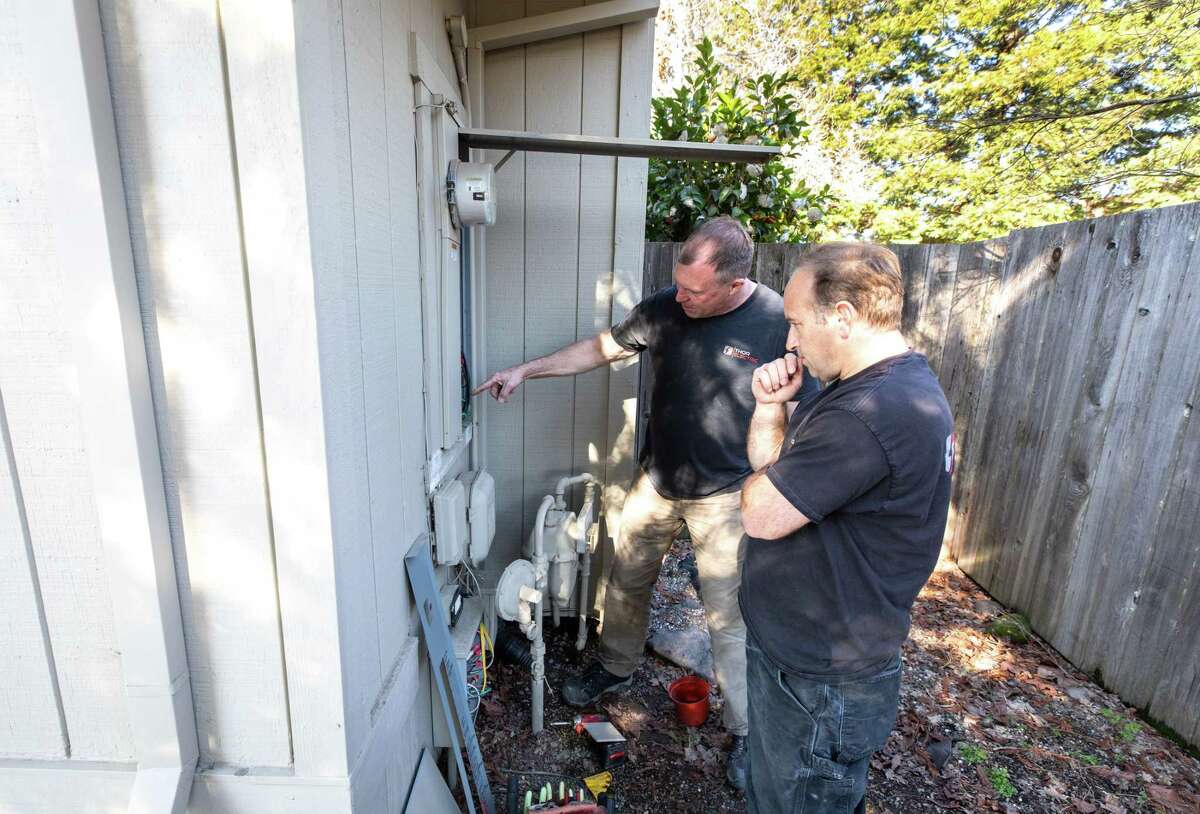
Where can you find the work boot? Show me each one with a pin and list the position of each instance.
(737, 763)
(587, 687)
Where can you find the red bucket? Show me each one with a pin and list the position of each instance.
(690, 695)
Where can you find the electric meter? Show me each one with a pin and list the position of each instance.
(471, 191)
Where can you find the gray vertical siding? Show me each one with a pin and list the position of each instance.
(555, 257)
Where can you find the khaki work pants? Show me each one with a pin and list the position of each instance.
(649, 523)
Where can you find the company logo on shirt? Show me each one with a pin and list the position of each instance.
(738, 353)
(950, 453)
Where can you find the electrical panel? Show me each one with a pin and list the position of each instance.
(450, 523)
(481, 513)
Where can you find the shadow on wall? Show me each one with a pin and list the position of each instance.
(179, 168)
(1086, 400)
(189, 171)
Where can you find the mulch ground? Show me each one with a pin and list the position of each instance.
(985, 725)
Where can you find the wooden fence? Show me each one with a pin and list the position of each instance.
(1071, 358)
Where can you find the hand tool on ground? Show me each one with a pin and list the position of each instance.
(566, 796)
(610, 741)
(598, 783)
(577, 723)
(606, 736)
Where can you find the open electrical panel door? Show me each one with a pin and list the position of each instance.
(444, 313)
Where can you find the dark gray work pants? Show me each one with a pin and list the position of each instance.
(811, 742)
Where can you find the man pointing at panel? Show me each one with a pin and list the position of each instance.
(705, 335)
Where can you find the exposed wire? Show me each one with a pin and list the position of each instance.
(483, 662)
(473, 695)
(471, 585)
(491, 646)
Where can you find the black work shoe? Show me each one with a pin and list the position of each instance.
(587, 687)
(737, 763)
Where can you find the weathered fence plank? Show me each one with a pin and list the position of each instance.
(1141, 440)
(964, 356)
(1071, 360)
(1149, 623)
(1021, 310)
(1046, 363)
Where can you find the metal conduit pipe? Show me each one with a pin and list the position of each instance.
(585, 558)
(560, 489)
(538, 650)
(585, 570)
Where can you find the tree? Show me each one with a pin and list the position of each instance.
(772, 203)
(980, 116)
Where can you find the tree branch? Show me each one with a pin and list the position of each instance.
(1043, 117)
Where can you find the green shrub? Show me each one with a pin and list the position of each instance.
(768, 198)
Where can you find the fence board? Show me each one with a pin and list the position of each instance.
(965, 353)
(1022, 308)
(1141, 440)
(1075, 301)
(1162, 609)
(1061, 267)
(941, 268)
(913, 260)
(1069, 357)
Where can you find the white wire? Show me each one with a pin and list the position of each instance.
(473, 690)
(472, 586)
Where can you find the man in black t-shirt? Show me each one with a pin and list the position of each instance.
(844, 520)
(705, 336)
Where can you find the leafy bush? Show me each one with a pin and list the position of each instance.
(767, 198)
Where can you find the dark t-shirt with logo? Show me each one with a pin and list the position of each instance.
(868, 461)
(701, 402)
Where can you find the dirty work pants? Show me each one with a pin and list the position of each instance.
(649, 523)
(811, 741)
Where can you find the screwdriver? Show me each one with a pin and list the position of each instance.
(579, 720)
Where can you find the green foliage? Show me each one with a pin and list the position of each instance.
(979, 116)
(1011, 626)
(971, 754)
(768, 199)
(998, 775)
(1086, 758)
(1127, 730)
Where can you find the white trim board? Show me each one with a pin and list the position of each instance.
(87, 787)
(561, 23)
(54, 786)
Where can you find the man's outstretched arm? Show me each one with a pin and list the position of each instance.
(578, 357)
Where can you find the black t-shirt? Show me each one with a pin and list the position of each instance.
(701, 402)
(868, 461)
